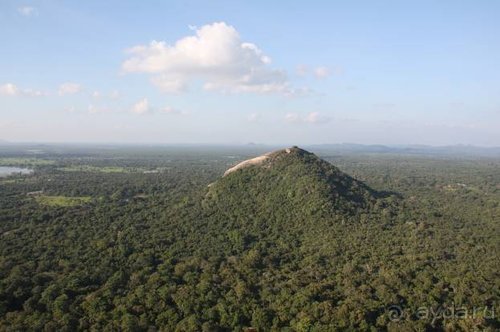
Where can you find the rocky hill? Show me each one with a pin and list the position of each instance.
(291, 184)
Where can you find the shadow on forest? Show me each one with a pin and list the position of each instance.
(386, 194)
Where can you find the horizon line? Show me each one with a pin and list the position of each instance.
(404, 145)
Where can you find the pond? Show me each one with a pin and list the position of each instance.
(9, 170)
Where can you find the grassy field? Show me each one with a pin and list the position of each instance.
(25, 162)
(89, 168)
(8, 181)
(62, 201)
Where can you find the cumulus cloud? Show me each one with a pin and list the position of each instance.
(321, 72)
(9, 89)
(33, 93)
(316, 117)
(215, 55)
(69, 88)
(12, 90)
(141, 107)
(302, 70)
(27, 11)
(312, 117)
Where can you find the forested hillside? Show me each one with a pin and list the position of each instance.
(156, 239)
(293, 186)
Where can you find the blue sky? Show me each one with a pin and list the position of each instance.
(373, 72)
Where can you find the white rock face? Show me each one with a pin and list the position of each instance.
(254, 161)
(258, 160)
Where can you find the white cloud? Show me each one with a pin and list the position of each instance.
(321, 72)
(216, 56)
(302, 70)
(141, 107)
(316, 117)
(10, 89)
(312, 117)
(33, 93)
(69, 88)
(27, 11)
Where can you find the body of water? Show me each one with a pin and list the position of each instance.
(9, 170)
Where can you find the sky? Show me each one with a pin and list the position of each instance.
(234, 72)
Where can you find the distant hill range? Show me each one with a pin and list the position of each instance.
(451, 150)
(343, 148)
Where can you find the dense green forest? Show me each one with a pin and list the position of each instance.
(155, 239)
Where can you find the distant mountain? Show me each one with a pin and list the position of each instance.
(451, 150)
(291, 184)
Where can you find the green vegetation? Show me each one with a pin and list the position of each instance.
(89, 168)
(295, 185)
(8, 181)
(61, 200)
(27, 162)
(292, 245)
